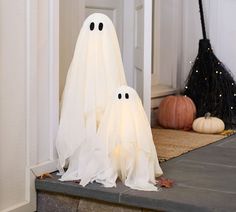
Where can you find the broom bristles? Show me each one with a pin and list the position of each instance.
(211, 86)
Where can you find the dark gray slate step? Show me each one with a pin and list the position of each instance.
(205, 181)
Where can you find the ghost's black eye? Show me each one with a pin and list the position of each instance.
(126, 95)
(119, 96)
(91, 26)
(100, 26)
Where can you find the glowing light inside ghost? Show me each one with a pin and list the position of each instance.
(129, 148)
(95, 72)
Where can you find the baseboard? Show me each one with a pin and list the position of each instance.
(45, 167)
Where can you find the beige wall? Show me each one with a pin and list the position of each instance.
(12, 102)
(70, 24)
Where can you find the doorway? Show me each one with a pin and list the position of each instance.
(166, 55)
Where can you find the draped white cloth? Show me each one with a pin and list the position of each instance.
(103, 132)
(95, 72)
(129, 151)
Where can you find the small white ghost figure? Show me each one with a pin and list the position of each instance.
(129, 148)
(95, 72)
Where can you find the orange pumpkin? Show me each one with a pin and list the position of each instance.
(176, 112)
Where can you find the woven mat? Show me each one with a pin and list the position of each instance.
(173, 143)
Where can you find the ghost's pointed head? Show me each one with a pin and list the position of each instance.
(97, 22)
(125, 94)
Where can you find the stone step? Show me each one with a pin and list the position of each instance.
(204, 181)
(48, 202)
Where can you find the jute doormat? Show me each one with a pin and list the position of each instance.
(173, 143)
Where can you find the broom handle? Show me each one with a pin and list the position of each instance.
(202, 19)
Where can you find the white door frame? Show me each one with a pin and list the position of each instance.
(35, 95)
(129, 49)
(147, 57)
(35, 167)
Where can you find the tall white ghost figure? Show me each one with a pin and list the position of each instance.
(95, 72)
(129, 147)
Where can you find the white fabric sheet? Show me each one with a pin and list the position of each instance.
(129, 149)
(95, 72)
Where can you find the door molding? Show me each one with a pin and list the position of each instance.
(147, 57)
(35, 167)
(50, 84)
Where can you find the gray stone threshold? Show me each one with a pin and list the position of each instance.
(205, 180)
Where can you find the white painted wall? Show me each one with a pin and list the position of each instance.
(221, 29)
(12, 102)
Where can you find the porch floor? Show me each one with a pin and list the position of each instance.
(205, 180)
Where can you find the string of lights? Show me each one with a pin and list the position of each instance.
(211, 86)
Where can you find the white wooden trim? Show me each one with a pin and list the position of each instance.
(156, 41)
(147, 59)
(128, 41)
(45, 167)
(29, 204)
(180, 47)
(53, 74)
(176, 40)
(18, 207)
(184, 44)
(31, 81)
(30, 26)
(31, 107)
(32, 104)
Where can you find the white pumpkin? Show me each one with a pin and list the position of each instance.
(208, 124)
